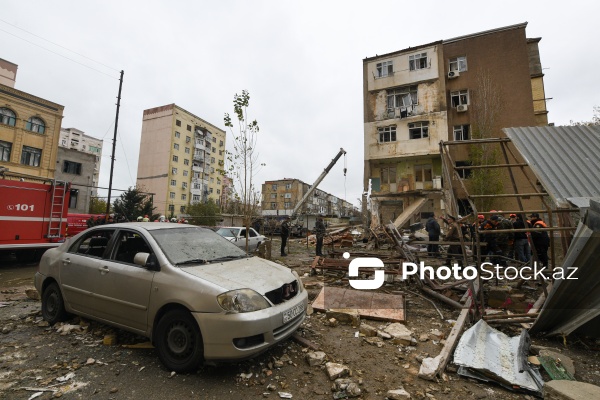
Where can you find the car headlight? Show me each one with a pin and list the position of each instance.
(300, 285)
(242, 301)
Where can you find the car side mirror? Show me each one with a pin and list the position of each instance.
(146, 260)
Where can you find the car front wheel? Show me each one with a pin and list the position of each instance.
(179, 342)
(53, 306)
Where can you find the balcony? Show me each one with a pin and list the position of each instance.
(197, 168)
(196, 192)
(199, 143)
(198, 156)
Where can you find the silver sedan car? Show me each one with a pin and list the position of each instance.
(237, 235)
(197, 296)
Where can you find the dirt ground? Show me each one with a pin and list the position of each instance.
(74, 360)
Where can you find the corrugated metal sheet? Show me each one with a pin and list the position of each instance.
(566, 159)
(489, 354)
(574, 303)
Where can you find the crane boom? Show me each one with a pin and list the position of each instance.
(319, 179)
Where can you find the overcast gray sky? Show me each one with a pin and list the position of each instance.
(301, 61)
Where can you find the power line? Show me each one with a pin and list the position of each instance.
(125, 155)
(56, 44)
(58, 54)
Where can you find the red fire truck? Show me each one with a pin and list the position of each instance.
(33, 214)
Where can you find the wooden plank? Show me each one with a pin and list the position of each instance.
(368, 304)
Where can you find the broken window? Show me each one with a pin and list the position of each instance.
(402, 97)
(423, 173)
(463, 173)
(418, 130)
(417, 61)
(388, 175)
(461, 132)
(273, 206)
(385, 68)
(274, 186)
(459, 98)
(458, 64)
(387, 134)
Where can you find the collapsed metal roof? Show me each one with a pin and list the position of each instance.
(566, 160)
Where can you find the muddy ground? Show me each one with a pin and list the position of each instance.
(75, 360)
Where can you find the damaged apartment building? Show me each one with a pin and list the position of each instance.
(418, 97)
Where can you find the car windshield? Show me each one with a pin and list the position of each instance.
(195, 245)
(228, 232)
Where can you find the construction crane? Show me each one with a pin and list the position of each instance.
(319, 179)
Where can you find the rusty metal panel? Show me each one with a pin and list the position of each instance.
(368, 304)
(565, 159)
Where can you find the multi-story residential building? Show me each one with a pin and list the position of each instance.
(29, 128)
(181, 156)
(279, 197)
(416, 97)
(78, 168)
(72, 138)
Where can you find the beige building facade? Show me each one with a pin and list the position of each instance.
(29, 128)
(180, 159)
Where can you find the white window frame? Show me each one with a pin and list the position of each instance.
(387, 134)
(462, 132)
(418, 130)
(287, 196)
(459, 98)
(173, 182)
(384, 68)
(288, 185)
(457, 64)
(171, 195)
(418, 61)
(173, 171)
(402, 97)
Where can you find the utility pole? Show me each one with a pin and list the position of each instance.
(112, 157)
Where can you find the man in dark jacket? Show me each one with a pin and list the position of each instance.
(521, 243)
(433, 230)
(320, 234)
(285, 234)
(539, 239)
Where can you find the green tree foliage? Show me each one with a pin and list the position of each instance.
(134, 203)
(205, 214)
(97, 206)
(486, 107)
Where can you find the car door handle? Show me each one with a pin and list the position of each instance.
(104, 268)
(67, 261)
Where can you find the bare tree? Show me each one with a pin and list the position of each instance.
(242, 164)
(486, 107)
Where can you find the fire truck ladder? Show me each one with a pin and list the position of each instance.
(59, 194)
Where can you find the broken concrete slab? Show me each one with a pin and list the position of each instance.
(344, 316)
(367, 330)
(316, 358)
(429, 368)
(570, 390)
(400, 334)
(335, 370)
(398, 394)
(346, 388)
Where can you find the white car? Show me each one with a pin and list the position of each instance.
(194, 294)
(237, 235)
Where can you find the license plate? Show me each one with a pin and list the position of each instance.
(293, 313)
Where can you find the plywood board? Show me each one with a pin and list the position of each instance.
(368, 304)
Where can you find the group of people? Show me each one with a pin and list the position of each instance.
(499, 246)
(103, 220)
(319, 233)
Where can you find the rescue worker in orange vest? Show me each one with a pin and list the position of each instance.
(539, 239)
